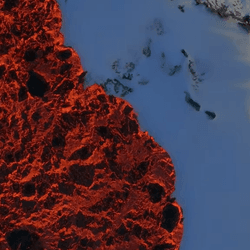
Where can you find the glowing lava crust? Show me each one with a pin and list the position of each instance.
(76, 172)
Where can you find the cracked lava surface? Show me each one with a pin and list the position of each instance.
(76, 171)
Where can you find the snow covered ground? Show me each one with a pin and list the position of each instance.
(144, 38)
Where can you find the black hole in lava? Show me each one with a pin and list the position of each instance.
(156, 192)
(29, 189)
(21, 239)
(170, 217)
(64, 55)
(30, 55)
(37, 86)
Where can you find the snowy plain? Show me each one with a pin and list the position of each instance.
(211, 157)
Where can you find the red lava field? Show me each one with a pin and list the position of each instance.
(76, 171)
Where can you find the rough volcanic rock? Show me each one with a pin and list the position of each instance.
(232, 10)
(76, 171)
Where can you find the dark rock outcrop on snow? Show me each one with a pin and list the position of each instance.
(191, 102)
(174, 70)
(224, 11)
(181, 8)
(184, 53)
(158, 26)
(129, 67)
(211, 115)
(118, 87)
(146, 51)
(127, 76)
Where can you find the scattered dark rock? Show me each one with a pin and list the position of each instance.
(158, 26)
(244, 26)
(127, 76)
(118, 87)
(130, 66)
(211, 115)
(246, 19)
(181, 8)
(197, 2)
(115, 66)
(146, 51)
(191, 102)
(176, 69)
(184, 53)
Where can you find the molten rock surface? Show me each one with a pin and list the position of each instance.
(76, 171)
